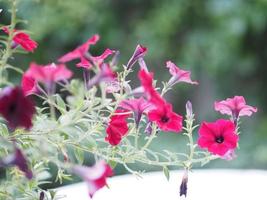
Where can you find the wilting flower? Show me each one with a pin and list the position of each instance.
(95, 176)
(218, 137)
(22, 39)
(138, 106)
(178, 75)
(19, 160)
(183, 186)
(17, 109)
(234, 107)
(104, 75)
(138, 54)
(165, 118)
(112, 86)
(46, 74)
(149, 129)
(117, 127)
(79, 53)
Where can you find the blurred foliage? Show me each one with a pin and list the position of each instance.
(223, 42)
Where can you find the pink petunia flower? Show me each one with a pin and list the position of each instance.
(218, 137)
(16, 108)
(17, 159)
(95, 176)
(22, 39)
(117, 127)
(234, 107)
(137, 106)
(79, 52)
(178, 75)
(138, 55)
(46, 74)
(165, 118)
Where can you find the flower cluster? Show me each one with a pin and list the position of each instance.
(100, 115)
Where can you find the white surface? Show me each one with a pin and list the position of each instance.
(202, 185)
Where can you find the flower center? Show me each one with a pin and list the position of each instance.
(12, 108)
(165, 119)
(219, 139)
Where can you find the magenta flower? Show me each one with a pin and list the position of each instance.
(94, 176)
(79, 53)
(139, 53)
(117, 127)
(178, 75)
(22, 39)
(165, 118)
(218, 137)
(234, 107)
(46, 74)
(17, 109)
(19, 160)
(138, 106)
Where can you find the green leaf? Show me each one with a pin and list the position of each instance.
(60, 104)
(112, 164)
(166, 172)
(79, 155)
(3, 130)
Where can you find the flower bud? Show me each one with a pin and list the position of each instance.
(183, 186)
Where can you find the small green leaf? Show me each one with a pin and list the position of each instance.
(61, 104)
(3, 130)
(166, 172)
(112, 164)
(79, 154)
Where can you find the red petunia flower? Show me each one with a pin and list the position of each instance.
(117, 127)
(95, 176)
(234, 107)
(22, 39)
(165, 118)
(19, 160)
(46, 74)
(178, 75)
(139, 53)
(146, 79)
(17, 109)
(218, 137)
(137, 106)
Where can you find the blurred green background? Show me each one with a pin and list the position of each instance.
(223, 43)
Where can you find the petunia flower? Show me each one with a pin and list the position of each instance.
(79, 52)
(104, 75)
(117, 127)
(46, 74)
(16, 108)
(139, 53)
(218, 137)
(95, 176)
(165, 118)
(137, 106)
(146, 79)
(19, 160)
(234, 107)
(22, 39)
(178, 75)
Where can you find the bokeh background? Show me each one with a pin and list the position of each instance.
(223, 43)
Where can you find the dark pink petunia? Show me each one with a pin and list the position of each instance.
(22, 39)
(178, 75)
(218, 137)
(234, 107)
(79, 52)
(139, 53)
(165, 118)
(137, 106)
(28, 85)
(17, 109)
(95, 176)
(146, 79)
(117, 127)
